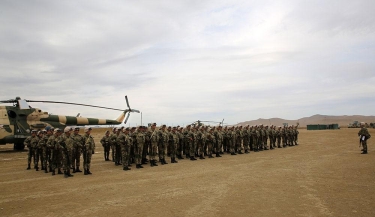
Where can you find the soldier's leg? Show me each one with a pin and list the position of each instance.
(36, 159)
(89, 156)
(84, 154)
(138, 156)
(364, 145)
(125, 158)
(113, 147)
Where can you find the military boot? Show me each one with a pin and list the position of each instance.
(247, 152)
(78, 171)
(74, 170)
(89, 172)
(192, 158)
(66, 174)
(53, 172)
(240, 152)
(85, 173)
(36, 168)
(210, 156)
(126, 168)
(364, 152)
(233, 153)
(28, 167)
(279, 146)
(165, 162)
(201, 157)
(161, 161)
(218, 155)
(59, 171)
(45, 170)
(69, 174)
(153, 163)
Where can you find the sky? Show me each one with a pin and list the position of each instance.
(182, 61)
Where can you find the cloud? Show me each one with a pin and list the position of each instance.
(180, 61)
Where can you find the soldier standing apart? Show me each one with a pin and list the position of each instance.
(364, 135)
(154, 145)
(31, 142)
(66, 143)
(88, 150)
(106, 143)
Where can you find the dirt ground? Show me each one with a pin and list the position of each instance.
(324, 176)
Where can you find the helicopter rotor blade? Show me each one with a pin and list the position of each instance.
(8, 101)
(134, 110)
(127, 117)
(127, 102)
(70, 103)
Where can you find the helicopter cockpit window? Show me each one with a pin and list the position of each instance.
(12, 114)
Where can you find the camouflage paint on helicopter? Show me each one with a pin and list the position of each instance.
(17, 121)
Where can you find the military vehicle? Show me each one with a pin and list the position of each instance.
(355, 124)
(17, 121)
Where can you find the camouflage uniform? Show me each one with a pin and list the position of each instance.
(200, 143)
(232, 141)
(162, 144)
(45, 152)
(56, 154)
(173, 138)
(189, 142)
(113, 144)
(154, 145)
(284, 136)
(119, 140)
(219, 141)
(246, 139)
(88, 150)
(65, 141)
(31, 142)
(364, 135)
(106, 143)
(210, 141)
(278, 137)
(78, 143)
(180, 144)
(138, 151)
(39, 150)
(239, 139)
(125, 148)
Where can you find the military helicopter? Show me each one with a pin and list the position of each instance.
(200, 123)
(17, 121)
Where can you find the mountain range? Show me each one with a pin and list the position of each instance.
(342, 121)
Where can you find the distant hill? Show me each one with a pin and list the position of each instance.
(342, 121)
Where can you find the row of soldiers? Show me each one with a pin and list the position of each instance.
(60, 149)
(132, 145)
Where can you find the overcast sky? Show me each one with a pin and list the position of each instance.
(180, 61)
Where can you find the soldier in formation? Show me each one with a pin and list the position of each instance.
(59, 150)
